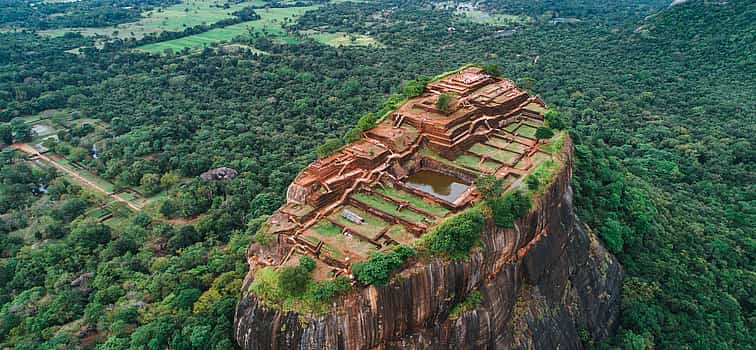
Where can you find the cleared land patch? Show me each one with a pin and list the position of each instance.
(341, 39)
(271, 24)
(174, 18)
(498, 19)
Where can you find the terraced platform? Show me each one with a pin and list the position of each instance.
(409, 173)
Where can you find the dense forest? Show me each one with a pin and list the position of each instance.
(659, 101)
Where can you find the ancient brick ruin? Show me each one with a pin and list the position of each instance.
(407, 174)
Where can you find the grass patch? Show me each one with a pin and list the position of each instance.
(271, 24)
(473, 300)
(526, 131)
(555, 143)
(413, 200)
(389, 207)
(174, 18)
(342, 39)
(497, 19)
(326, 228)
(473, 162)
(369, 228)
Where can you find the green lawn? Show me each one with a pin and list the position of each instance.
(369, 228)
(342, 39)
(174, 18)
(270, 23)
(472, 162)
(498, 19)
(389, 207)
(400, 234)
(526, 131)
(326, 228)
(414, 200)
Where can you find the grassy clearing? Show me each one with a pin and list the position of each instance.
(400, 234)
(326, 228)
(174, 18)
(496, 19)
(414, 200)
(369, 228)
(474, 163)
(555, 143)
(271, 24)
(389, 207)
(342, 39)
(526, 131)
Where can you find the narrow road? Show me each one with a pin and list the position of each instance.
(30, 150)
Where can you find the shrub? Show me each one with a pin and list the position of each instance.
(554, 119)
(473, 300)
(443, 102)
(328, 147)
(457, 235)
(489, 186)
(492, 69)
(307, 263)
(324, 291)
(414, 88)
(543, 133)
(293, 280)
(379, 268)
(533, 183)
(505, 210)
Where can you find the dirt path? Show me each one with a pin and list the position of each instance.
(30, 150)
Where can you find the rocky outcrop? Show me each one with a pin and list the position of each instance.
(545, 284)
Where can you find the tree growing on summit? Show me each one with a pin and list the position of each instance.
(443, 102)
(543, 133)
(492, 69)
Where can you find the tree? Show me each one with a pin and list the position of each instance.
(150, 183)
(169, 179)
(378, 269)
(457, 235)
(89, 234)
(543, 133)
(307, 263)
(554, 119)
(492, 69)
(489, 186)
(168, 208)
(533, 182)
(6, 134)
(293, 280)
(414, 88)
(328, 147)
(443, 102)
(505, 210)
(22, 132)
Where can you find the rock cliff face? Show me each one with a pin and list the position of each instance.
(545, 284)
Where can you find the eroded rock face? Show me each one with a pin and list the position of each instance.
(544, 284)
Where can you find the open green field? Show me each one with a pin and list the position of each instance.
(342, 39)
(174, 18)
(271, 23)
(498, 19)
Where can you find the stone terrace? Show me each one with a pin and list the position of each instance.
(360, 200)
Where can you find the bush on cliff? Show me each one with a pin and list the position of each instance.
(379, 268)
(457, 235)
(505, 210)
